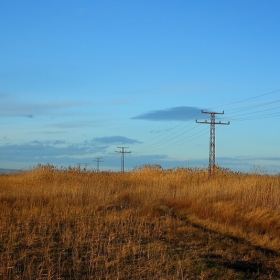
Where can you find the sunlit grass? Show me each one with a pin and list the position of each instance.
(86, 225)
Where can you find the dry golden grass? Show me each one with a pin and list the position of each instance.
(145, 224)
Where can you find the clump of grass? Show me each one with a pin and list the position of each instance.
(146, 224)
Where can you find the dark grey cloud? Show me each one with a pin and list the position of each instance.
(114, 140)
(182, 113)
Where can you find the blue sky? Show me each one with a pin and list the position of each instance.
(80, 78)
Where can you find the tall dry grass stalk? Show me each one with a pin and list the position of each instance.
(86, 225)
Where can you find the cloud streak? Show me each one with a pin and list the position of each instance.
(9, 107)
(67, 125)
(182, 113)
(61, 152)
(115, 140)
(38, 151)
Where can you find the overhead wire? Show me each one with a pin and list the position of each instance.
(166, 145)
(232, 117)
(265, 116)
(172, 137)
(257, 113)
(247, 99)
(183, 141)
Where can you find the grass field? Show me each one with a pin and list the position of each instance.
(145, 224)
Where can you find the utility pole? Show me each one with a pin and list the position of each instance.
(212, 150)
(122, 152)
(97, 162)
(82, 164)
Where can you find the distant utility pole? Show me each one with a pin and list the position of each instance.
(97, 162)
(86, 165)
(82, 164)
(212, 151)
(122, 152)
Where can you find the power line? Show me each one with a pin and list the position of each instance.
(255, 114)
(167, 141)
(258, 117)
(180, 142)
(254, 106)
(250, 98)
(163, 141)
(174, 132)
(170, 136)
(174, 135)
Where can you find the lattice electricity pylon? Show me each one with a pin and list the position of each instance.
(97, 162)
(212, 148)
(122, 152)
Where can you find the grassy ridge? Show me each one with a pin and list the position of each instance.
(146, 224)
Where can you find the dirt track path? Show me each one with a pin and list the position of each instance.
(206, 254)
